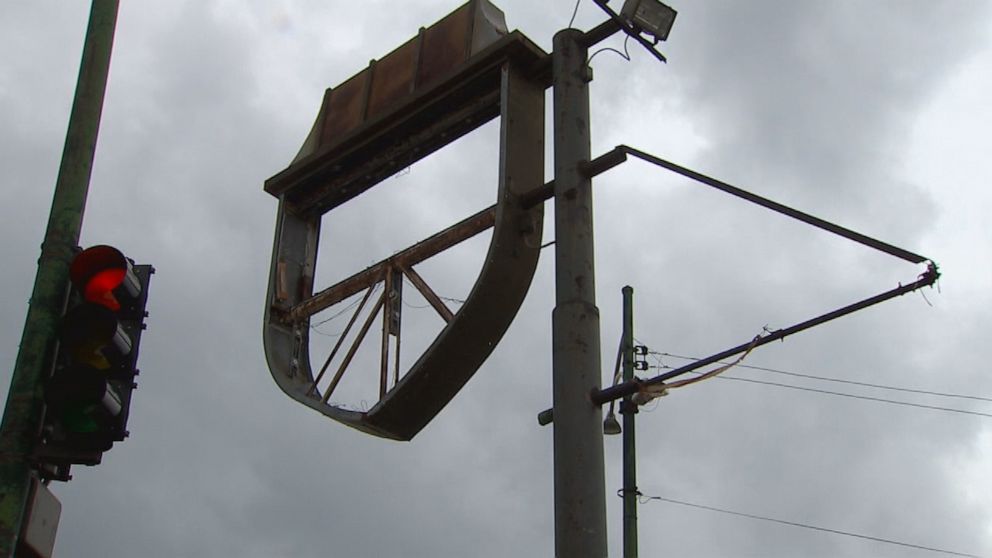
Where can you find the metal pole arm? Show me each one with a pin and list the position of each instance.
(629, 388)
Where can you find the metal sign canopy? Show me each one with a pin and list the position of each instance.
(453, 77)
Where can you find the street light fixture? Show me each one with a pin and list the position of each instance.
(650, 16)
(611, 426)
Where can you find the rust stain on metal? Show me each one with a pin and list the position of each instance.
(344, 111)
(403, 106)
(281, 293)
(446, 45)
(393, 78)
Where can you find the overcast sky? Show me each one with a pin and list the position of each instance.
(871, 114)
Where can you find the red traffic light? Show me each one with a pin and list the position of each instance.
(99, 271)
(88, 396)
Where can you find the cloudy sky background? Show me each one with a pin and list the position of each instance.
(870, 114)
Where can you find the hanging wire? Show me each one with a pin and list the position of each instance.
(415, 306)
(662, 366)
(625, 54)
(329, 335)
(338, 314)
(835, 380)
(575, 12)
(644, 499)
(717, 371)
(842, 394)
(864, 397)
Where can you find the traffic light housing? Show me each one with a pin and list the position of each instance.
(88, 396)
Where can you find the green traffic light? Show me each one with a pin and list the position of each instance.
(80, 420)
(82, 399)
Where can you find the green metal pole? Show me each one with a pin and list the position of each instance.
(628, 409)
(24, 411)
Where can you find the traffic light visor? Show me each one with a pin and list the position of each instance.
(99, 271)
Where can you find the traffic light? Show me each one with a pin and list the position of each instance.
(88, 397)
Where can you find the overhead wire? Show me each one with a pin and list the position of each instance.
(643, 499)
(864, 397)
(717, 371)
(575, 12)
(839, 380)
(842, 394)
(338, 314)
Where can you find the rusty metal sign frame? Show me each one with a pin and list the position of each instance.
(507, 79)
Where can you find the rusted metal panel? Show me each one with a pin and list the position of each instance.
(446, 45)
(364, 162)
(433, 89)
(435, 53)
(393, 79)
(346, 108)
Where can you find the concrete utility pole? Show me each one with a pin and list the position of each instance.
(579, 477)
(23, 414)
(628, 409)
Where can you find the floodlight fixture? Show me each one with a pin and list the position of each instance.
(649, 16)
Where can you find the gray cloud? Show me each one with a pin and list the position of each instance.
(807, 102)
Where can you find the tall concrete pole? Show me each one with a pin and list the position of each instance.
(628, 409)
(579, 478)
(23, 412)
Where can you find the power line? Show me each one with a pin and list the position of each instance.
(663, 366)
(838, 380)
(807, 526)
(841, 394)
(852, 396)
